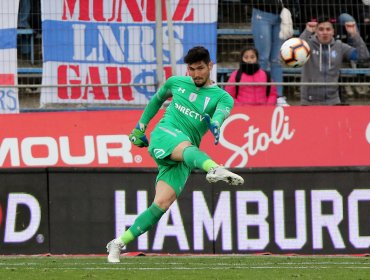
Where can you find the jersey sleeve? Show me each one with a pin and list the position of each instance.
(223, 109)
(156, 102)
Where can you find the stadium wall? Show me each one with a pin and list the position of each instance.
(278, 210)
(69, 183)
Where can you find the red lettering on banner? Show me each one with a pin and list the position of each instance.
(137, 12)
(179, 14)
(134, 10)
(151, 10)
(63, 92)
(93, 76)
(71, 4)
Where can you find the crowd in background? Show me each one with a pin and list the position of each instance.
(337, 33)
(265, 19)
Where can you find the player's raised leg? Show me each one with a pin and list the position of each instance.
(196, 158)
(219, 173)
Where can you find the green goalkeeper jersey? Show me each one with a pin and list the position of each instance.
(188, 105)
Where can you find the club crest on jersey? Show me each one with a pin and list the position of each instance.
(193, 96)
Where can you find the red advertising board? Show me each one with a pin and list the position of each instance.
(250, 137)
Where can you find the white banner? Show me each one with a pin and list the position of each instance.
(8, 56)
(113, 42)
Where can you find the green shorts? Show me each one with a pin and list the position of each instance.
(163, 140)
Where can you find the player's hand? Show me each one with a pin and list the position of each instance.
(214, 127)
(138, 137)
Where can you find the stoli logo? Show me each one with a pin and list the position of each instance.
(256, 140)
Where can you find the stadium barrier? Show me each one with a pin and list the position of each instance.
(278, 211)
(224, 72)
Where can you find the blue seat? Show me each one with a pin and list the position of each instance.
(29, 70)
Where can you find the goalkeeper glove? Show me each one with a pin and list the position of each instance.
(137, 136)
(213, 126)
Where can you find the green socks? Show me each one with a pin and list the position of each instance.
(195, 158)
(144, 222)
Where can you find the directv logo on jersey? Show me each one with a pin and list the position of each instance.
(188, 112)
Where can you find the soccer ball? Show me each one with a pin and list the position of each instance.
(295, 52)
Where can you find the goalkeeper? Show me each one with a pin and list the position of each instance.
(197, 105)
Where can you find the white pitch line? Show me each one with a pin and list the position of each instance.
(182, 263)
(191, 268)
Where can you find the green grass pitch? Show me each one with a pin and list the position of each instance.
(185, 267)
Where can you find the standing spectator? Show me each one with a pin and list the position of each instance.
(338, 12)
(250, 72)
(24, 13)
(266, 23)
(327, 56)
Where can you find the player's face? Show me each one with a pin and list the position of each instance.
(200, 73)
(250, 56)
(325, 32)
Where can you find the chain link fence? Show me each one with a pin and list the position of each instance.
(233, 34)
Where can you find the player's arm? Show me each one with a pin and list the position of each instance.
(222, 111)
(137, 136)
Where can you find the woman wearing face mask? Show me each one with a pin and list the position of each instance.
(250, 72)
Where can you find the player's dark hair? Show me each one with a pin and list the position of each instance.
(197, 54)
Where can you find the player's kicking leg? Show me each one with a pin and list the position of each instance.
(219, 173)
(114, 249)
(195, 158)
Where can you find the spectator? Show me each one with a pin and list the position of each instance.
(24, 13)
(266, 28)
(250, 72)
(340, 14)
(327, 56)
